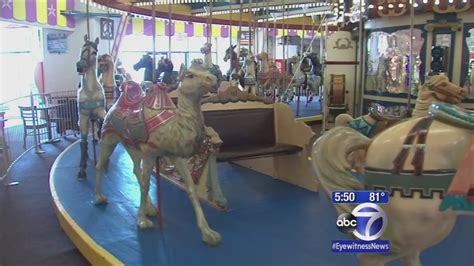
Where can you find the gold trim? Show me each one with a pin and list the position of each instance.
(307, 119)
(93, 252)
(454, 26)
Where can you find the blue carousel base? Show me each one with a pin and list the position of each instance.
(268, 222)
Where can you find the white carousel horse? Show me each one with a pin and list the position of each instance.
(250, 77)
(90, 97)
(426, 165)
(304, 72)
(151, 126)
(209, 65)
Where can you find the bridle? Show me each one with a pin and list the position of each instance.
(86, 59)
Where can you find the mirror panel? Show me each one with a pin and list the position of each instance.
(388, 60)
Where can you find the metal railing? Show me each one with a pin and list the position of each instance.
(31, 121)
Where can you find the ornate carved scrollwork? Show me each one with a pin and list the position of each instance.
(396, 11)
(451, 8)
(346, 44)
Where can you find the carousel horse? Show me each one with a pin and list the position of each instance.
(150, 127)
(165, 72)
(106, 69)
(209, 65)
(436, 88)
(90, 97)
(269, 78)
(234, 73)
(146, 62)
(250, 78)
(426, 165)
(304, 73)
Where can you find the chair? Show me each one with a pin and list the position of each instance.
(4, 156)
(27, 115)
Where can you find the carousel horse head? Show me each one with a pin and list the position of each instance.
(262, 56)
(165, 65)
(439, 87)
(196, 81)
(243, 53)
(315, 62)
(165, 71)
(106, 69)
(145, 62)
(105, 63)
(230, 53)
(88, 55)
(206, 48)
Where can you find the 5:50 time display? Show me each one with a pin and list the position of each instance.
(360, 196)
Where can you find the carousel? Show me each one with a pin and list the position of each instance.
(259, 113)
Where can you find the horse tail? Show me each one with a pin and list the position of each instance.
(329, 157)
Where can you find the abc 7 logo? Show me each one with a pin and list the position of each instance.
(367, 221)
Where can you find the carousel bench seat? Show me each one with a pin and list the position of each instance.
(246, 133)
(262, 136)
(245, 152)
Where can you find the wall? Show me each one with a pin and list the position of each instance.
(344, 67)
(60, 69)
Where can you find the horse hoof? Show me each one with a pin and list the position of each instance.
(82, 175)
(145, 223)
(100, 200)
(211, 237)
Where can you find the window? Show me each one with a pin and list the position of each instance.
(20, 52)
(183, 50)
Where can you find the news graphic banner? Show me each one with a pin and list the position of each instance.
(367, 222)
(360, 196)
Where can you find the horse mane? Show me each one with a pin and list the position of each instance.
(92, 44)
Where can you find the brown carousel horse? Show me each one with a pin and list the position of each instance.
(269, 78)
(235, 71)
(106, 68)
(149, 127)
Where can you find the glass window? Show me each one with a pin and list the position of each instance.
(19, 55)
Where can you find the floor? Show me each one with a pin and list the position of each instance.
(30, 233)
(304, 110)
(268, 222)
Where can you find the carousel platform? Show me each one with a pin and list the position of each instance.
(268, 222)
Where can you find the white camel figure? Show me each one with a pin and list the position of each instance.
(150, 127)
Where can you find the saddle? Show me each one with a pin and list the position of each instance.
(127, 119)
(452, 115)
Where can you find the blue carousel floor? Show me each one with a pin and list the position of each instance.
(268, 222)
(313, 108)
